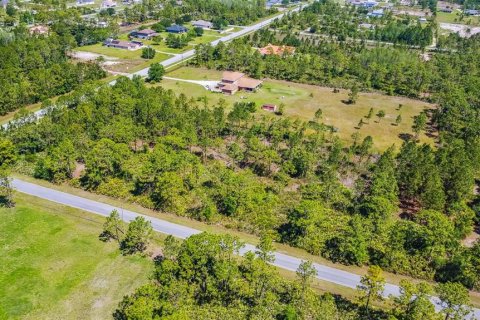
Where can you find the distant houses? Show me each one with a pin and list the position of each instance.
(85, 2)
(363, 3)
(376, 13)
(145, 34)
(176, 29)
(202, 24)
(126, 45)
(276, 50)
(235, 81)
(108, 4)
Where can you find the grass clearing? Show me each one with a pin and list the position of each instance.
(55, 267)
(301, 101)
(455, 17)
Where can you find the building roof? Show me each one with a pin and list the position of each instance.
(123, 44)
(146, 31)
(202, 23)
(230, 87)
(232, 76)
(249, 83)
(176, 27)
(278, 50)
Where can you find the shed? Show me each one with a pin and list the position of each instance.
(270, 107)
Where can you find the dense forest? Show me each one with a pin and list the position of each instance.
(201, 278)
(36, 68)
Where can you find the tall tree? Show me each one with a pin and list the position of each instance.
(113, 228)
(455, 301)
(138, 236)
(371, 287)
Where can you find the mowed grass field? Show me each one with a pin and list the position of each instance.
(455, 17)
(53, 266)
(301, 101)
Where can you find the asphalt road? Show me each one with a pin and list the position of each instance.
(329, 274)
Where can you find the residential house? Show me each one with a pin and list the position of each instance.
(370, 4)
(235, 81)
(85, 2)
(176, 29)
(202, 24)
(376, 13)
(144, 34)
(126, 45)
(472, 12)
(276, 50)
(108, 4)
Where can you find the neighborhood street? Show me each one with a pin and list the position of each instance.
(329, 274)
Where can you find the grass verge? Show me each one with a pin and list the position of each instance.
(55, 267)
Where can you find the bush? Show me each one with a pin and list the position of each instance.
(148, 53)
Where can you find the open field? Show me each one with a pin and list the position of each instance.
(301, 101)
(126, 60)
(55, 267)
(455, 17)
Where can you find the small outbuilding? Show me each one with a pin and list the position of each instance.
(270, 107)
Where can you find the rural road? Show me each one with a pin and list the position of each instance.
(329, 274)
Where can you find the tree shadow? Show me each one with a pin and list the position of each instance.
(406, 137)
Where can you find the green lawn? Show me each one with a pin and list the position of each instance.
(301, 101)
(454, 17)
(118, 53)
(54, 266)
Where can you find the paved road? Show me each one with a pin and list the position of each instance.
(329, 274)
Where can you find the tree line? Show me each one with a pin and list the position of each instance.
(36, 68)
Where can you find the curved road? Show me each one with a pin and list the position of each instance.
(329, 274)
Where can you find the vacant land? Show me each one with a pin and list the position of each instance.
(54, 267)
(301, 101)
(126, 60)
(456, 17)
